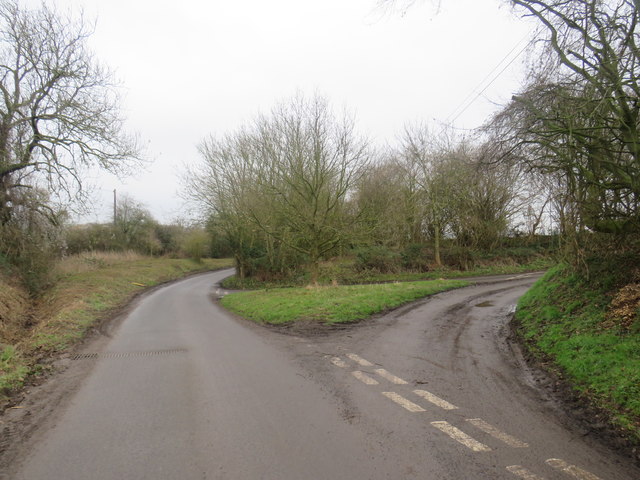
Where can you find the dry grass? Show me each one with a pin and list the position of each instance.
(624, 308)
(89, 261)
(14, 310)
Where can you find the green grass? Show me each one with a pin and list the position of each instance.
(88, 289)
(562, 319)
(330, 304)
(12, 369)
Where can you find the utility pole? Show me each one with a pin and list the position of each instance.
(114, 206)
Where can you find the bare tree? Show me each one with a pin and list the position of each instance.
(580, 116)
(223, 187)
(424, 152)
(390, 202)
(134, 227)
(289, 176)
(59, 110)
(311, 163)
(485, 198)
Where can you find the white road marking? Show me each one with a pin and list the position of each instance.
(359, 360)
(338, 363)
(364, 378)
(461, 437)
(523, 473)
(572, 470)
(494, 432)
(403, 402)
(389, 376)
(435, 400)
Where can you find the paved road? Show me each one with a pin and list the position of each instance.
(431, 391)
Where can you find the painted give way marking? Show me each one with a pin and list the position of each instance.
(452, 431)
(461, 437)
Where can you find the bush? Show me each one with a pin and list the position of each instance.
(169, 238)
(145, 238)
(90, 237)
(378, 258)
(416, 257)
(32, 243)
(460, 258)
(196, 244)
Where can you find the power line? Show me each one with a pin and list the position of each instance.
(468, 101)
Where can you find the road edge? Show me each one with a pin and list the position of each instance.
(32, 407)
(573, 408)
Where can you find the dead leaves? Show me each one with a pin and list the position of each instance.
(623, 310)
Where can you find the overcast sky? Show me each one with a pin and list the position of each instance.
(192, 67)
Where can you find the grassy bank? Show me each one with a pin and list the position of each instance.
(588, 329)
(88, 288)
(330, 304)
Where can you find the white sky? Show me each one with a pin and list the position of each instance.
(194, 67)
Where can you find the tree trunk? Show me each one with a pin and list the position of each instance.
(436, 246)
(315, 272)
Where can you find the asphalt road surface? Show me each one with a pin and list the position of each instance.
(182, 390)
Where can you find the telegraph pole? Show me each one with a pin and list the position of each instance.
(114, 206)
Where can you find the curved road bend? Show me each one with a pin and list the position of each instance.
(430, 391)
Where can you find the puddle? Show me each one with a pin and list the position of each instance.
(485, 304)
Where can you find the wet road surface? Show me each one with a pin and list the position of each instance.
(432, 391)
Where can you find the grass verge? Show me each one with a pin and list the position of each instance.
(88, 288)
(13, 370)
(330, 304)
(567, 321)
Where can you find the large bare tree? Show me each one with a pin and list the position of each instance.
(425, 152)
(390, 201)
(289, 176)
(59, 109)
(313, 160)
(580, 116)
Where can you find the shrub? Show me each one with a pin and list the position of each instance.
(460, 258)
(196, 244)
(90, 237)
(32, 243)
(415, 257)
(169, 238)
(378, 258)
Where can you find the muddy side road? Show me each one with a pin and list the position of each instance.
(180, 389)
